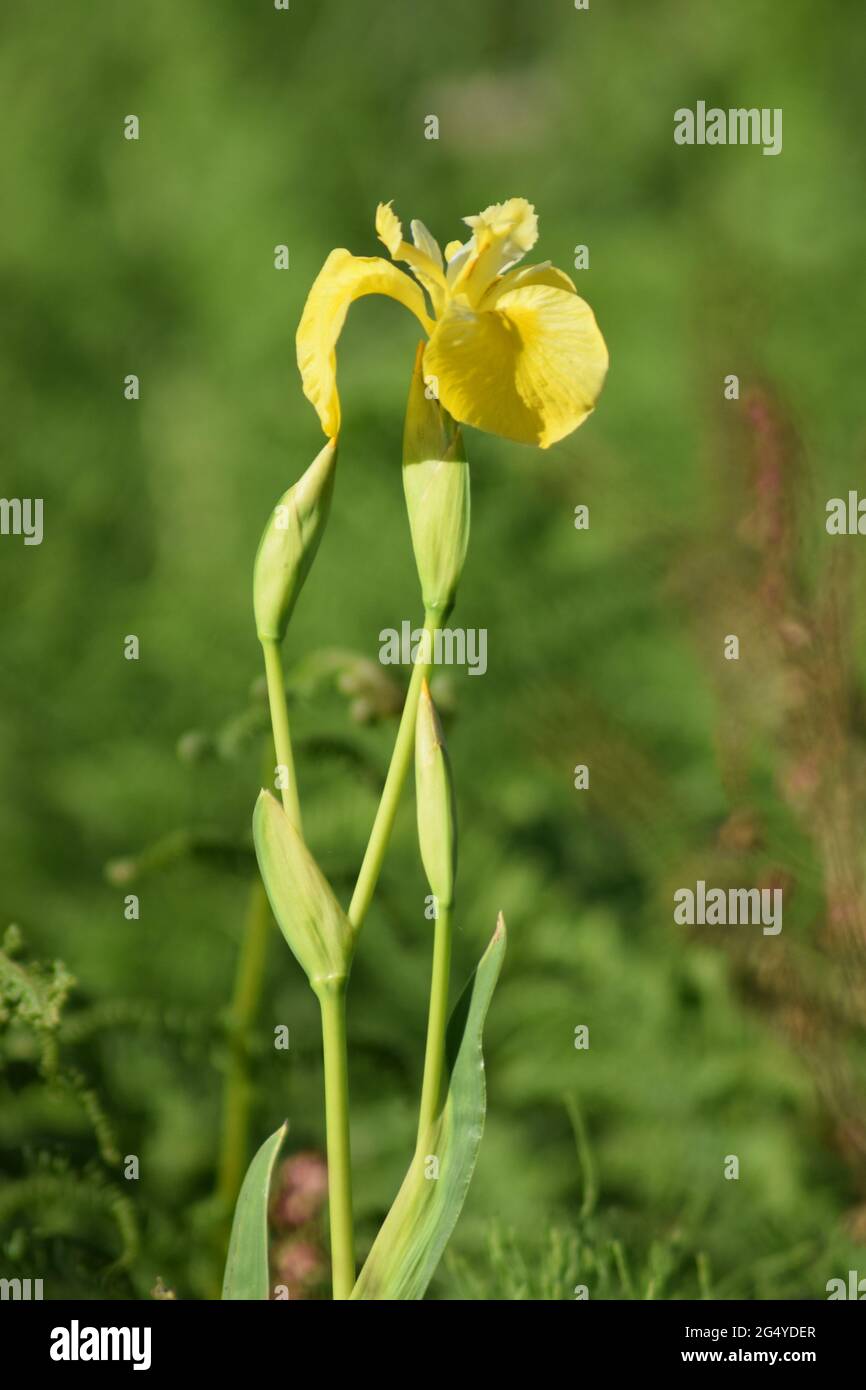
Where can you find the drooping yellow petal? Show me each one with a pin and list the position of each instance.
(343, 279)
(501, 236)
(389, 229)
(529, 369)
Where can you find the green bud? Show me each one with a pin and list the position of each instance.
(437, 820)
(289, 544)
(436, 484)
(306, 910)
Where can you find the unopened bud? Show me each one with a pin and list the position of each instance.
(307, 913)
(289, 544)
(437, 821)
(436, 484)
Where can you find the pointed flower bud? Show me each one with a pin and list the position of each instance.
(307, 913)
(289, 544)
(436, 484)
(437, 820)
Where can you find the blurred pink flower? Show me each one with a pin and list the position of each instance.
(300, 1191)
(299, 1265)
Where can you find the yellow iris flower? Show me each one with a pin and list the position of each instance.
(516, 353)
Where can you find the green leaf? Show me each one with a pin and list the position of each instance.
(246, 1273)
(416, 1230)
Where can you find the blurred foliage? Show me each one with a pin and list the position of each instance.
(259, 128)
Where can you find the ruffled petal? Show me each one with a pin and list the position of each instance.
(501, 235)
(343, 279)
(530, 369)
(428, 272)
(389, 228)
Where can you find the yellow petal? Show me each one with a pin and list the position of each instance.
(426, 241)
(501, 235)
(389, 229)
(544, 274)
(343, 279)
(514, 221)
(452, 248)
(530, 370)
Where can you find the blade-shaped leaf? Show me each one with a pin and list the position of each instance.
(416, 1230)
(246, 1273)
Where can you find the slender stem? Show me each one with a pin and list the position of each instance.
(332, 1000)
(280, 723)
(397, 770)
(437, 1020)
(237, 1094)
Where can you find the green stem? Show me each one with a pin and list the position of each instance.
(280, 724)
(237, 1095)
(437, 1022)
(332, 1000)
(399, 766)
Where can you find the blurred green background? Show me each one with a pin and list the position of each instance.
(156, 257)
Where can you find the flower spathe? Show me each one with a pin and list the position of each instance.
(514, 352)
